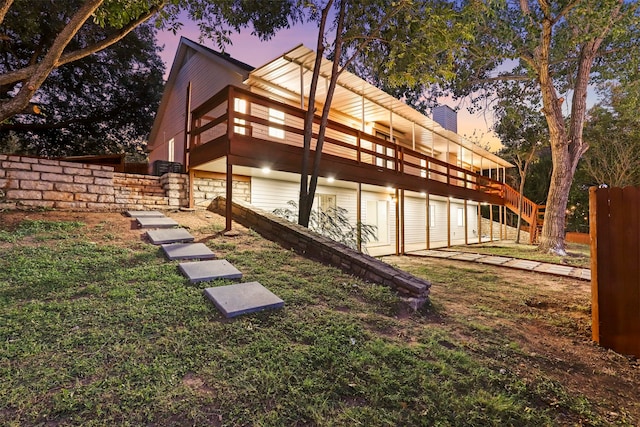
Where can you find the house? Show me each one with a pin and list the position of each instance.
(238, 132)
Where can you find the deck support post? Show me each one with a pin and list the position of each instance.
(229, 205)
(192, 177)
(479, 223)
(500, 219)
(397, 223)
(428, 231)
(466, 224)
(359, 216)
(448, 222)
(491, 223)
(402, 247)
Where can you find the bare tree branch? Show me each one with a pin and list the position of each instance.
(4, 8)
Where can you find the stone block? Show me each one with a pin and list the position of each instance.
(77, 171)
(86, 197)
(47, 168)
(3, 157)
(21, 174)
(26, 159)
(36, 185)
(102, 181)
(100, 189)
(106, 198)
(37, 203)
(16, 166)
(72, 188)
(55, 177)
(24, 195)
(70, 205)
(243, 298)
(103, 173)
(49, 162)
(57, 195)
(79, 179)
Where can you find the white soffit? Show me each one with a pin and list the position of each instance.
(284, 73)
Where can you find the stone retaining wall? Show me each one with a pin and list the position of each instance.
(205, 190)
(30, 182)
(323, 249)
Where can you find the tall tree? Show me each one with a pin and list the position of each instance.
(561, 47)
(100, 104)
(391, 38)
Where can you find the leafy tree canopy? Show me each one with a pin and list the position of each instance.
(101, 104)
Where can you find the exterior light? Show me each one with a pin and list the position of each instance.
(423, 194)
(330, 179)
(390, 189)
(266, 170)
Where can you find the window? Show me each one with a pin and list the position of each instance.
(171, 147)
(277, 117)
(432, 215)
(240, 106)
(377, 215)
(460, 217)
(324, 203)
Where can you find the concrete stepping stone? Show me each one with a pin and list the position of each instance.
(204, 271)
(243, 298)
(441, 254)
(145, 214)
(164, 222)
(496, 260)
(176, 251)
(171, 235)
(523, 264)
(467, 257)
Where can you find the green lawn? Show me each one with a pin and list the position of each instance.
(111, 334)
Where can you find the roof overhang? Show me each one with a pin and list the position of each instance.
(289, 76)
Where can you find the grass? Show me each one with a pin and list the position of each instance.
(101, 334)
(578, 255)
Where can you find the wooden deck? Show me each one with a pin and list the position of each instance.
(240, 125)
(348, 154)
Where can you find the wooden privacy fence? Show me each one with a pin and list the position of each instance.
(615, 267)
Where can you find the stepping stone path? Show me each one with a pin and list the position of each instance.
(242, 298)
(520, 264)
(205, 271)
(176, 251)
(231, 300)
(171, 235)
(155, 222)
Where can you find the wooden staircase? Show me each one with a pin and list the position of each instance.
(532, 213)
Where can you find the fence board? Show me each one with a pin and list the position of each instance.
(615, 249)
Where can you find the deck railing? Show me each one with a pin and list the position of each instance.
(235, 113)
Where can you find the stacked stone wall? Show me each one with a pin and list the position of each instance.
(205, 190)
(30, 182)
(323, 249)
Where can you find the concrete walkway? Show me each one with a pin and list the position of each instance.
(501, 261)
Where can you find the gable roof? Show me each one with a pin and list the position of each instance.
(185, 49)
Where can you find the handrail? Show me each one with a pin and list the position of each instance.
(340, 140)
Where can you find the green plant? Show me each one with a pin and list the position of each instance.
(332, 223)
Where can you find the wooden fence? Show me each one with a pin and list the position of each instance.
(615, 268)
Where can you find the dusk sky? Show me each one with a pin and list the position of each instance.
(251, 50)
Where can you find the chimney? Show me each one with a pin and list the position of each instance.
(446, 117)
